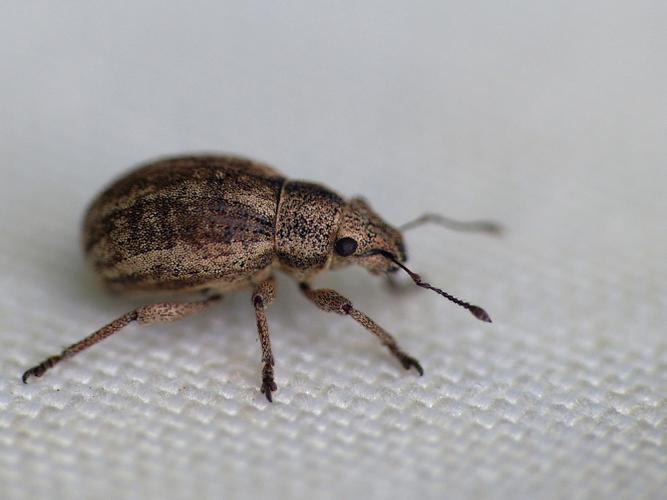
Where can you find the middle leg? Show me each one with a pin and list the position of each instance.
(263, 295)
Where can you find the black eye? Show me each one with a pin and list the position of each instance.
(345, 247)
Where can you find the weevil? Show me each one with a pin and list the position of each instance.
(218, 223)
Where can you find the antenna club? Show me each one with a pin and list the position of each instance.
(480, 314)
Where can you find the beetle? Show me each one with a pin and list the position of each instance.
(217, 223)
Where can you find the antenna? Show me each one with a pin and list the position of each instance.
(477, 226)
(476, 311)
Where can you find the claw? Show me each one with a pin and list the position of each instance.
(268, 386)
(40, 369)
(26, 375)
(37, 371)
(410, 362)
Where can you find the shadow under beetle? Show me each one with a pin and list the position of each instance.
(215, 224)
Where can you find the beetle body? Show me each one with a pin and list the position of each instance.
(214, 224)
(220, 222)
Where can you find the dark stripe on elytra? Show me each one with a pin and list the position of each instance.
(181, 173)
(210, 198)
(160, 224)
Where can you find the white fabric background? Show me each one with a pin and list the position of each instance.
(549, 118)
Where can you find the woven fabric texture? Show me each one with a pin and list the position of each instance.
(549, 118)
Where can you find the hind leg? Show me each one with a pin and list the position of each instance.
(145, 315)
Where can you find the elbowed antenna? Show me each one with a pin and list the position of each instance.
(478, 226)
(476, 311)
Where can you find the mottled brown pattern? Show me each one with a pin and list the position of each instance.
(362, 224)
(306, 227)
(185, 223)
(221, 223)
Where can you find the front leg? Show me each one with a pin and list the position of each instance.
(332, 301)
(263, 295)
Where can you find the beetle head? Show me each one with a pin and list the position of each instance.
(365, 239)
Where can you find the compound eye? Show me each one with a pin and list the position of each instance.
(345, 247)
